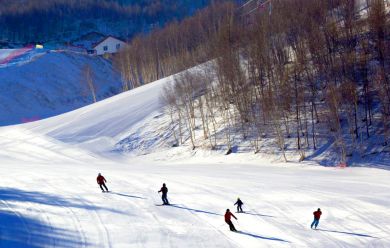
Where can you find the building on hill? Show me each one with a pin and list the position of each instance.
(109, 44)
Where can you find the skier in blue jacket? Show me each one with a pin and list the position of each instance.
(239, 204)
(164, 196)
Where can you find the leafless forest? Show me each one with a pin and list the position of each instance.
(298, 71)
(63, 20)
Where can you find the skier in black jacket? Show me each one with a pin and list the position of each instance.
(239, 204)
(164, 197)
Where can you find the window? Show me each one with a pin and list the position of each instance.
(118, 46)
(105, 48)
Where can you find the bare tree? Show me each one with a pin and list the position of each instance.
(88, 76)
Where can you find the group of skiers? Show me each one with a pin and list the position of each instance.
(228, 215)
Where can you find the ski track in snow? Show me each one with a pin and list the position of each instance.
(76, 222)
(72, 218)
(103, 234)
(199, 202)
(22, 220)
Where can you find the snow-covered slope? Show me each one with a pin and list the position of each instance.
(100, 126)
(49, 196)
(59, 205)
(47, 83)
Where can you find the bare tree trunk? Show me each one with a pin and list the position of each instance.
(88, 74)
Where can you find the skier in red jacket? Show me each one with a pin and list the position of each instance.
(101, 181)
(228, 216)
(317, 216)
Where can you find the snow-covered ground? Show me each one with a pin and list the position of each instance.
(41, 83)
(49, 196)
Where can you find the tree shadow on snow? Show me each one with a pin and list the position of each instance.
(193, 210)
(125, 195)
(17, 195)
(25, 232)
(348, 233)
(262, 237)
(320, 150)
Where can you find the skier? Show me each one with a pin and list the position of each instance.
(317, 216)
(228, 216)
(239, 204)
(101, 181)
(164, 197)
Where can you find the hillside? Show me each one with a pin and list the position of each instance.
(44, 83)
(309, 76)
(287, 110)
(49, 196)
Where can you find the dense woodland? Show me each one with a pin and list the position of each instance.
(300, 71)
(24, 21)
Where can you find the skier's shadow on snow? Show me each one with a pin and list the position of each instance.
(125, 195)
(262, 237)
(348, 233)
(193, 210)
(256, 214)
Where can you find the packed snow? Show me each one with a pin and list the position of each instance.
(49, 196)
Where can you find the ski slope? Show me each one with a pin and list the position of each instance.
(40, 83)
(49, 196)
(9, 57)
(106, 121)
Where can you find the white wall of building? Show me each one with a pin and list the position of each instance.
(109, 45)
